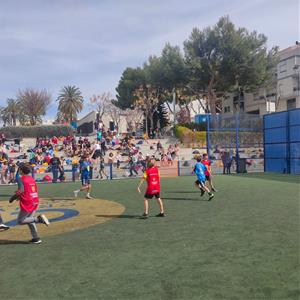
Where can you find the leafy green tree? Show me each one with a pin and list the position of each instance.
(33, 105)
(70, 103)
(168, 71)
(224, 58)
(130, 81)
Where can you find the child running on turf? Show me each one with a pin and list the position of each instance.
(27, 194)
(199, 170)
(206, 162)
(85, 169)
(151, 175)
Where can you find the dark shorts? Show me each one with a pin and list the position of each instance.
(149, 196)
(207, 177)
(201, 183)
(85, 179)
(96, 154)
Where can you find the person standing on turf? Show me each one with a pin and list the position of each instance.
(199, 170)
(85, 169)
(151, 175)
(206, 162)
(27, 194)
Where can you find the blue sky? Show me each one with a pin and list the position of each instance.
(88, 43)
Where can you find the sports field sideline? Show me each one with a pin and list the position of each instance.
(244, 244)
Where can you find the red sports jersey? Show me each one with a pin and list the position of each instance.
(29, 198)
(153, 180)
(207, 164)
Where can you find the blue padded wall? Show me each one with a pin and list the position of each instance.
(282, 142)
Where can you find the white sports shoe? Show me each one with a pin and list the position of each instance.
(4, 227)
(76, 194)
(88, 197)
(44, 220)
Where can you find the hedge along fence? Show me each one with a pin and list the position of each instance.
(36, 131)
(190, 138)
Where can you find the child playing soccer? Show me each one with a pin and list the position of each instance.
(199, 170)
(151, 175)
(206, 162)
(85, 168)
(27, 194)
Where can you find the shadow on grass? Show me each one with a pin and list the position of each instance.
(60, 198)
(182, 192)
(184, 199)
(119, 216)
(9, 242)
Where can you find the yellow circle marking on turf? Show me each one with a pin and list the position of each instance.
(67, 214)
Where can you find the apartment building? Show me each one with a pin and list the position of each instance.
(288, 79)
(283, 94)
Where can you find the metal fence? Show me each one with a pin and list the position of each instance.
(236, 141)
(112, 171)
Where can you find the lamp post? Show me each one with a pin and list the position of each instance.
(174, 107)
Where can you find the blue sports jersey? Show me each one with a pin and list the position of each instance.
(85, 167)
(199, 170)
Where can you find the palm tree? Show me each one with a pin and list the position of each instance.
(5, 116)
(70, 102)
(13, 109)
(10, 113)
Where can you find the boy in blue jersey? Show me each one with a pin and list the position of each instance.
(85, 170)
(199, 170)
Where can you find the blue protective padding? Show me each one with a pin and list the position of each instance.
(295, 166)
(200, 118)
(276, 165)
(294, 117)
(295, 133)
(275, 135)
(295, 150)
(275, 120)
(275, 151)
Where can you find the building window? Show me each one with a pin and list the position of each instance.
(282, 67)
(227, 109)
(291, 104)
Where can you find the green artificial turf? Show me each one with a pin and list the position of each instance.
(244, 244)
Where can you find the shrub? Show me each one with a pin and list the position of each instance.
(36, 131)
(186, 135)
(194, 126)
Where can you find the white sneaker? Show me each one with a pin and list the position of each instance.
(88, 197)
(76, 194)
(4, 227)
(44, 220)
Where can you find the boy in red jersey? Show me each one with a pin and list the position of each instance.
(27, 194)
(206, 162)
(151, 175)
